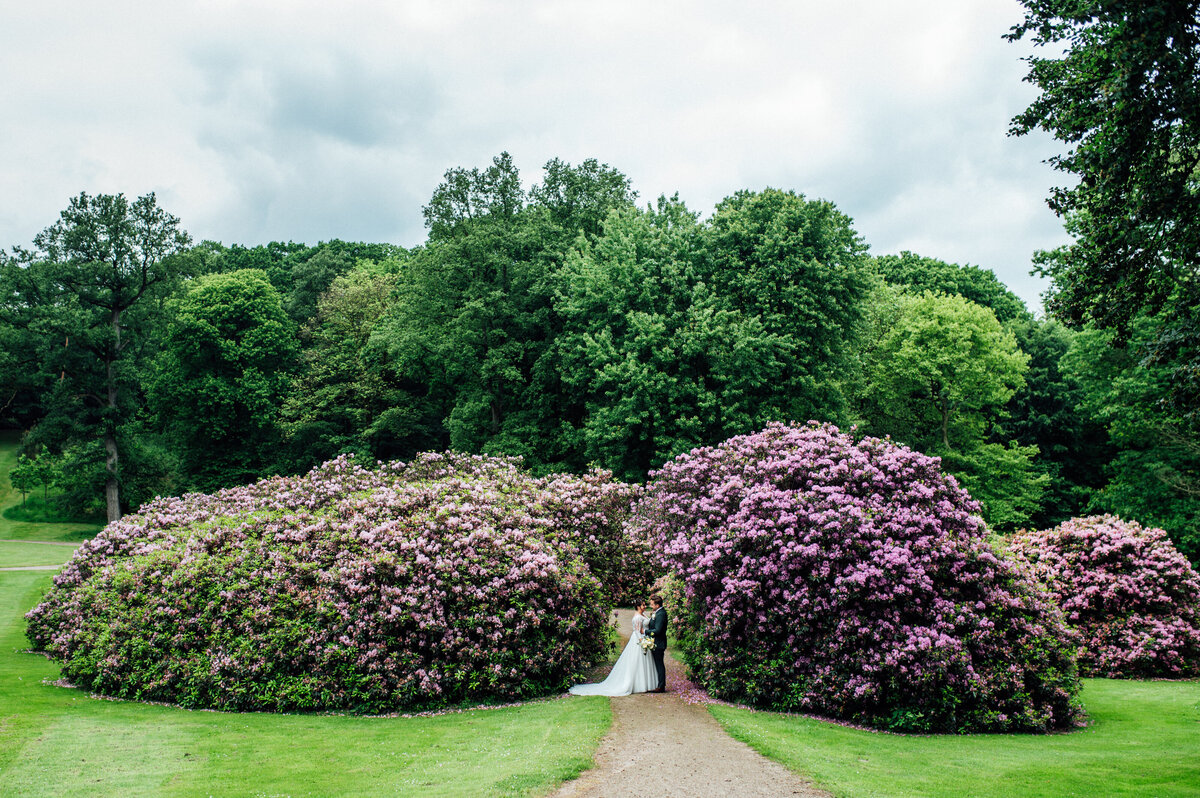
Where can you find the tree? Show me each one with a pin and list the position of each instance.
(916, 274)
(24, 367)
(222, 376)
(84, 293)
(472, 321)
(1153, 475)
(45, 471)
(578, 199)
(22, 476)
(344, 398)
(1124, 96)
(940, 362)
(800, 266)
(1048, 412)
(937, 370)
(677, 334)
(652, 356)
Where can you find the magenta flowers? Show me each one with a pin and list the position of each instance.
(1131, 599)
(855, 580)
(407, 586)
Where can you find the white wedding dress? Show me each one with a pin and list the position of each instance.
(633, 671)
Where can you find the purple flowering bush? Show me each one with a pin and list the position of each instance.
(590, 513)
(1131, 599)
(854, 580)
(445, 580)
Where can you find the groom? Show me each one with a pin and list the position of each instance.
(658, 628)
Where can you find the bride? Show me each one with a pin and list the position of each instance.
(634, 669)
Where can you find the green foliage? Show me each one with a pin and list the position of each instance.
(676, 334)
(658, 361)
(1004, 478)
(1047, 413)
(22, 477)
(344, 398)
(1124, 97)
(936, 370)
(86, 301)
(799, 266)
(300, 273)
(915, 274)
(559, 323)
(939, 362)
(222, 375)
(471, 327)
(1154, 475)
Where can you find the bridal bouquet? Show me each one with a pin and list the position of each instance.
(647, 643)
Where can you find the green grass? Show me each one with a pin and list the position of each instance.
(12, 529)
(59, 741)
(18, 554)
(62, 742)
(1144, 740)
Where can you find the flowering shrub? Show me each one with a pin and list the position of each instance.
(591, 512)
(852, 580)
(1131, 599)
(588, 514)
(405, 586)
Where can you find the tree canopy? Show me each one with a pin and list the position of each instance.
(91, 282)
(1122, 91)
(222, 375)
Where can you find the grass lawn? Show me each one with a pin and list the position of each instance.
(59, 741)
(1144, 740)
(24, 530)
(17, 554)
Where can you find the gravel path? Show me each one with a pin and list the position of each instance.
(660, 746)
(33, 568)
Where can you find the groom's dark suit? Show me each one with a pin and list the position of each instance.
(658, 628)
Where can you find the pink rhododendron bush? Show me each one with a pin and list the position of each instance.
(407, 586)
(590, 513)
(853, 580)
(1131, 599)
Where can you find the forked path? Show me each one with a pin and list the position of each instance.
(660, 745)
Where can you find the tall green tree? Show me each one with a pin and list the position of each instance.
(222, 375)
(800, 267)
(86, 294)
(937, 370)
(916, 273)
(1121, 88)
(654, 357)
(473, 320)
(677, 334)
(1153, 475)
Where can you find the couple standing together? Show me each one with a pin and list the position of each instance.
(640, 668)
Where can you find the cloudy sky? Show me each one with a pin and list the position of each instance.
(305, 121)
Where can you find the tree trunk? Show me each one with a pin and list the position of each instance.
(112, 489)
(945, 424)
(112, 492)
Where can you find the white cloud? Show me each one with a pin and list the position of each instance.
(257, 121)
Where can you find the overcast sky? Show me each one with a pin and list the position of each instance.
(305, 121)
